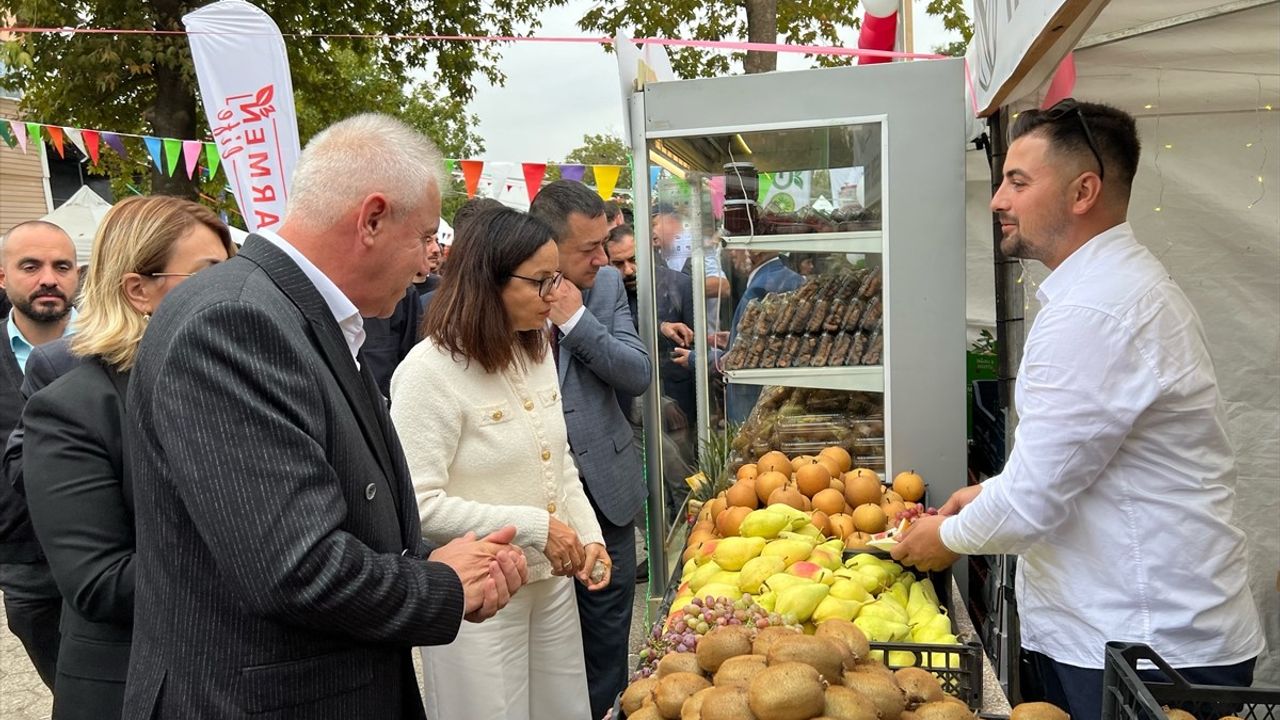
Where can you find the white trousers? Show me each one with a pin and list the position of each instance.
(525, 663)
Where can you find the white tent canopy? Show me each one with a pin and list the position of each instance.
(1199, 76)
(80, 216)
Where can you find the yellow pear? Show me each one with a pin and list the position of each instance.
(732, 553)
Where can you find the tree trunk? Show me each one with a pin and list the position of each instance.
(172, 113)
(762, 27)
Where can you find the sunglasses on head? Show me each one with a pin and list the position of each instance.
(1070, 106)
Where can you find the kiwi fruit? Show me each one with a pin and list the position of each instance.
(881, 690)
(920, 685)
(1038, 711)
(767, 636)
(848, 633)
(819, 653)
(692, 708)
(845, 703)
(721, 644)
(943, 710)
(739, 670)
(672, 690)
(675, 662)
(646, 712)
(637, 693)
(726, 703)
(1176, 714)
(787, 691)
(868, 666)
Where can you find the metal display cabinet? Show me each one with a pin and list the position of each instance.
(888, 142)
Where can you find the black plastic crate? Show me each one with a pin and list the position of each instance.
(1126, 696)
(964, 682)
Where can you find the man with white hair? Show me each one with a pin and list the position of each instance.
(280, 566)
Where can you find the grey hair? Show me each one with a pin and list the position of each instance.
(353, 158)
(556, 201)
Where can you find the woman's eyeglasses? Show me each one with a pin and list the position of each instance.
(164, 274)
(545, 285)
(1066, 107)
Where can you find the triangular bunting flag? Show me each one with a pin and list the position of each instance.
(533, 174)
(74, 136)
(115, 142)
(191, 154)
(172, 154)
(153, 147)
(570, 171)
(19, 132)
(90, 138)
(471, 170)
(55, 137)
(766, 182)
(7, 135)
(655, 172)
(211, 158)
(33, 134)
(450, 166)
(606, 179)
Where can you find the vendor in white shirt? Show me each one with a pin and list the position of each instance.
(1118, 494)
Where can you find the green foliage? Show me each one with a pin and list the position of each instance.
(801, 22)
(109, 81)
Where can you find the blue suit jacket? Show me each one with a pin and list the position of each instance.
(600, 357)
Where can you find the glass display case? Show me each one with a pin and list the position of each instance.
(800, 243)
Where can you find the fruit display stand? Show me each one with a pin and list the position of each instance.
(1125, 696)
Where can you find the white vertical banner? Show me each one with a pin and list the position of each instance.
(243, 72)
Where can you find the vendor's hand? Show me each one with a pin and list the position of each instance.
(920, 545)
(568, 300)
(677, 332)
(959, 499)
(680, 356)
(563, 549)
(719, 339)
(594, 552)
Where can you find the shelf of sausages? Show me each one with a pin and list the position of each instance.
(832, 320)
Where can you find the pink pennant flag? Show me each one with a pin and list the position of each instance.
(91, 144)
(570, 171)
(1062, 84)
(19, 132)
(191, 150)
(533, 174)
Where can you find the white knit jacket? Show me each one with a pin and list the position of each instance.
(488, 450)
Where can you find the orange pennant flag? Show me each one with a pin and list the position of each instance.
(606, 179)
(55, 136)
(471, 170)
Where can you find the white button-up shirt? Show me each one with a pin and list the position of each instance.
(344, 311)
(1119, 491)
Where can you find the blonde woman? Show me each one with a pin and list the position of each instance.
(77, 486)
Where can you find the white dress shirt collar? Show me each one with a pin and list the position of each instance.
(344, 311)
(1081, 260)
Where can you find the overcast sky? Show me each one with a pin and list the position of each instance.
(556, 93)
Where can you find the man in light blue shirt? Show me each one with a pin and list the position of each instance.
(39, 275)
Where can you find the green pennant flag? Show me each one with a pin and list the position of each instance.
(211, 158)
(6, 135)
(172, 153)
(34, 136)
(766, 182)
(449, 166)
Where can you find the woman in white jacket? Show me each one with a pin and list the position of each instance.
(477, 407)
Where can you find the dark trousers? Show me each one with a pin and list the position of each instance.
(1079, 690)
(605, 616)
(34, 620)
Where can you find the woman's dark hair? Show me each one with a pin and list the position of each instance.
(466, 316)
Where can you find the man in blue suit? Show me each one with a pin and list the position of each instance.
(598, 354)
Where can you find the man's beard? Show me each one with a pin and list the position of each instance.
(27, 307)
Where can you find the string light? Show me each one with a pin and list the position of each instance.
(1148, 106)
(1156, 161)
(1262, 163)
(1168, 146)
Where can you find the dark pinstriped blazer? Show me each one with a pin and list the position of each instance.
(277, 530)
